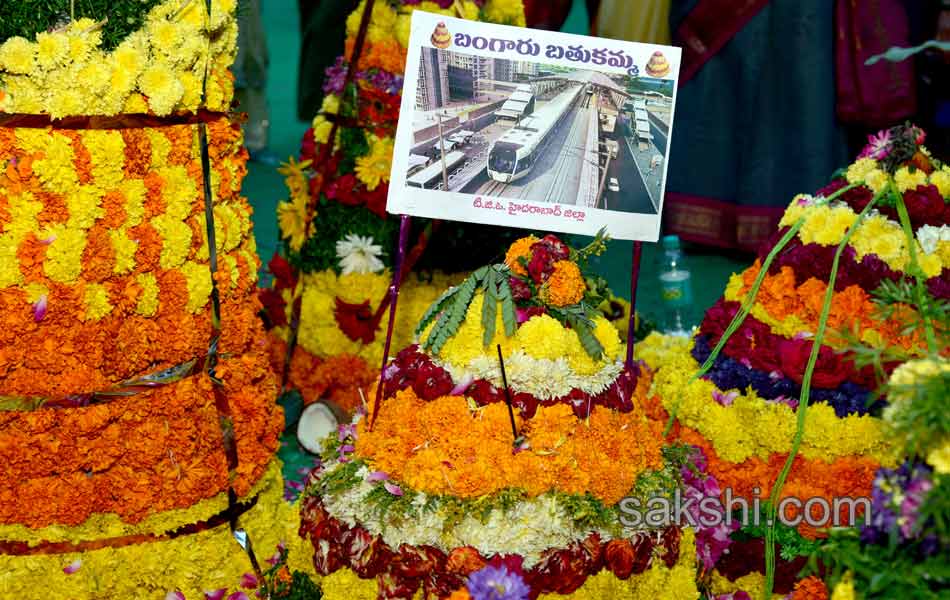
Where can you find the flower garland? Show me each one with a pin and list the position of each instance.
(158, 69)
(103, 239)
(413, 369)
(413, 439)
(658, 582)
(136, 456)
(791, 310)
(751, 426)
(189, 564)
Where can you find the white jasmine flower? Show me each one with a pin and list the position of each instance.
(359, 254)
(930, 237)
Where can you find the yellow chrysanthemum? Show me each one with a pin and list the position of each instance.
(907, 180)
(827, 226)
(544, 337)
(403, 29)
(859, 171)
(97, 302)
(941, 179)
(52, 49)
(876, 180)
(162, 87)
(382, 21)
(17, 56)
(373, 168)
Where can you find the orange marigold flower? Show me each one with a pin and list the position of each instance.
(461, 594)
(810, 588)
(520, 249)
(566, 285)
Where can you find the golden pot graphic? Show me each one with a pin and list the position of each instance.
(658, 65)
(441, 38)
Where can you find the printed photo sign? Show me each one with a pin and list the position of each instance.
(535, 129)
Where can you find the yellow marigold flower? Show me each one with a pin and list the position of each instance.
(470, 10)
(519, 249)
(939, 458)
(859, 171)
(941, 179)
(191, 98)
(508, 12)
(17, 56)
(876, 180)
(163, 89)
(97, 302)
(52, 49)
(198, 279)
(373, 168)
(124, 248)
(566, 285)
(176, 240)
(330, 104)
(148, 301)
(930, 264)
(906, 180)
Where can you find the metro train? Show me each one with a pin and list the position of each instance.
(513, 155)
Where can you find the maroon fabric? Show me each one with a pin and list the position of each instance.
(882, 94)
(718, 223)
(708, 28)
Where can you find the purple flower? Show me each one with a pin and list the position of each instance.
(377, 476)
(462, 385)
(910, 507)
(335, 77)
(216, 594)
(39, 308)
(392, 488)
(238, 596)
(72, 567)
(725, 399)
(879, 146)
(711, 542)
(497, 583)
(249, 581)
(347, 430)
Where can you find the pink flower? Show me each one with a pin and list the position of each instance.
(72, 567)
(216, 594)
(725, 399)
(176, 595)
(462, 385)
(346, 430)
(249, 581)
(237, 596)
(377, 476)
(49, 240)
(39, 308)
(392, 488)
(879, 146)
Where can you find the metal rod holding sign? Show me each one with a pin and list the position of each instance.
(404, 224)
(632, 320)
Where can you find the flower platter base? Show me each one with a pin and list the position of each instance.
(146, 562)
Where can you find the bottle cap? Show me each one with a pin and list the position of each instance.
(671, 242)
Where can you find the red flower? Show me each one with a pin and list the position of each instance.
(625, 557)
(274, 307)
(282, 271)
(541, 264)
(464, 561)
(925, 206)
(562, 571)
(308, 146)
(520, 290)
(357, 321)
(432, 381)
(830, 370)
(367, 555)
(670, 542)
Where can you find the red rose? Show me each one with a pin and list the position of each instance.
(541, 264)
(558, 248)
(274, 307)
(524, 402)
(282, 271)
(432, 381)
(483, 392)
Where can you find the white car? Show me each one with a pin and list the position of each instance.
(613, 185)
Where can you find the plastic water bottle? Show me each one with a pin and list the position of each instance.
(675, 288)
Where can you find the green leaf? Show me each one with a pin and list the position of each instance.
(489, 307)
(585, 334)
(509, 313)
(452, 318)
(435, 309)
